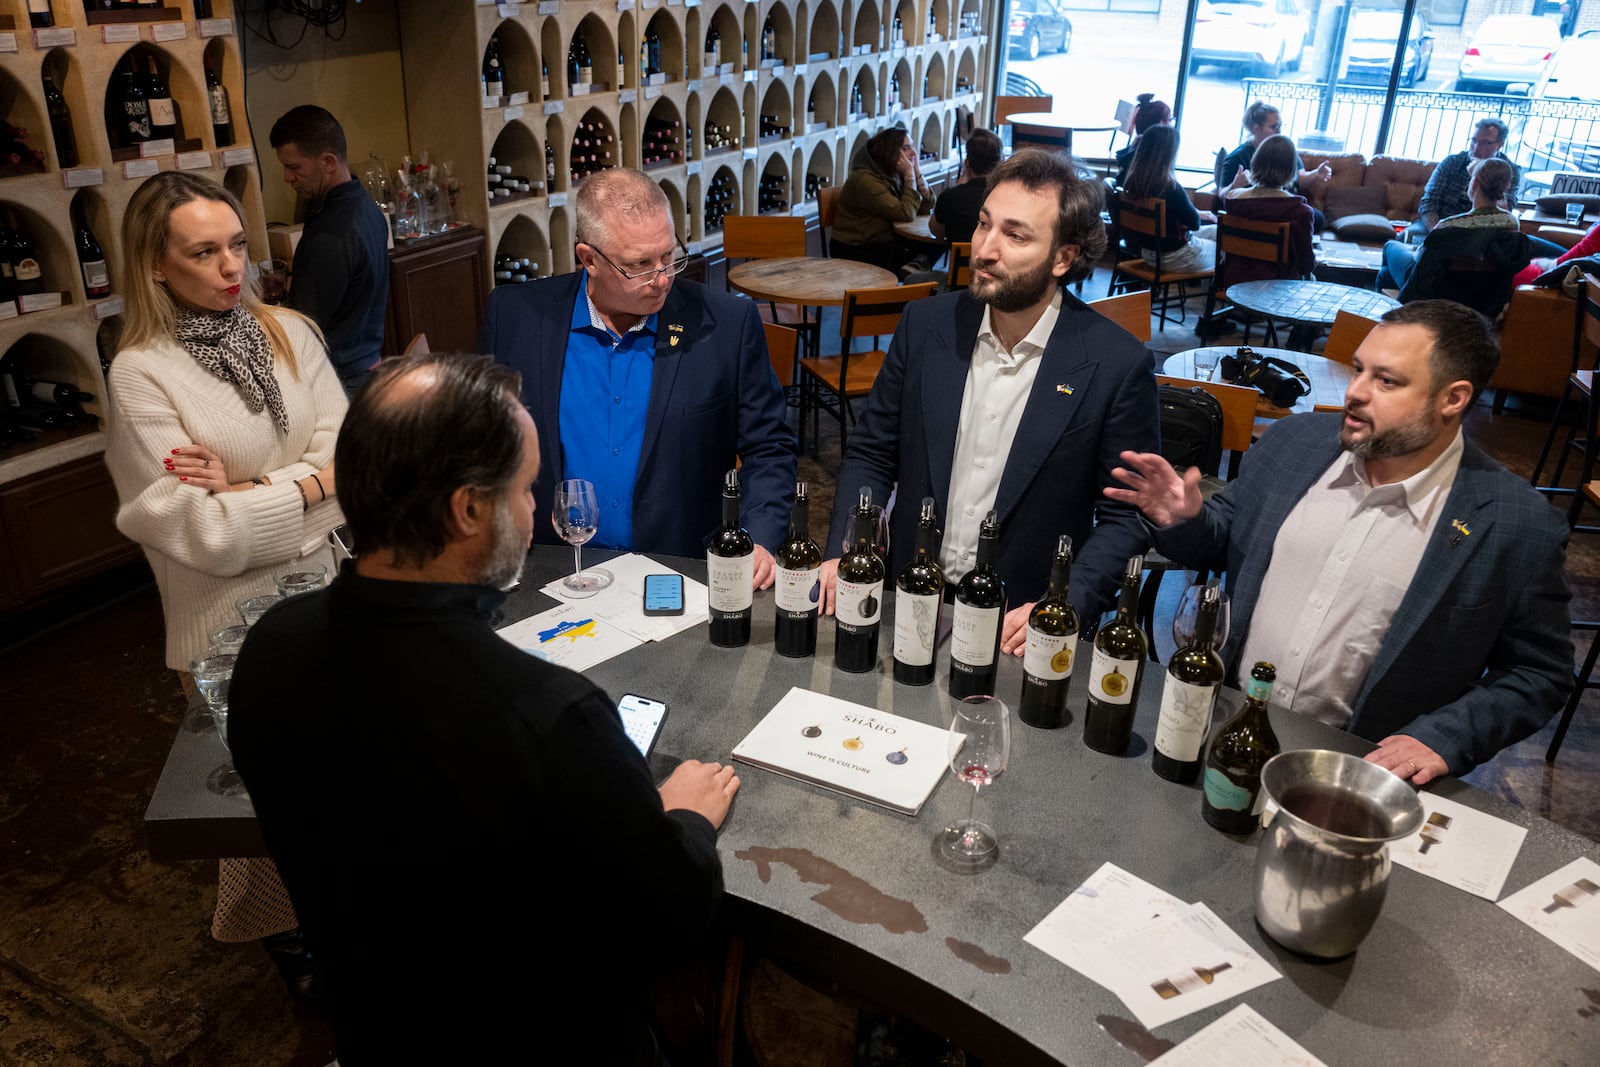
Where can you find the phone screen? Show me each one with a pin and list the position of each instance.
(641, 720)
(663, 594)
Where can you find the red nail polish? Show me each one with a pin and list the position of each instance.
(174, 451)
(181, 478)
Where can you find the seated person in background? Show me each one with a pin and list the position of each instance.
(1148, 113)
(1264, 121)
(1409, 588)
(1449, 192)
(1588, 246)
(647, 385)
(1487, 182)
(886, 187)
(1152, 178)
(520, 833)
(955, 212)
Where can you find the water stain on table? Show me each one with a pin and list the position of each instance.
(1594, 1002)
(847, 896)
(1130, 1035)
(967, 952)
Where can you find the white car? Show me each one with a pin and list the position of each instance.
(1507, 50)
(1266, 37)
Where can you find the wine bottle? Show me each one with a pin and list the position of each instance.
(163, 117)
(1188, 981)
(730, 571)
(1052, 648)
(1116, 671)
(27, 271)
(135, 107)
(61, 394)
(1231, 796)
(585, 63)
(8, 273)
(494, 78)
(549, 168)
(1193, 674)
(980, 602)
(202, 9)
(40, 17)
(798, 587)
(858, 596)
(92, 261)
(544, 81)
(60, 124)
(622, 67)
(918, 599)
(221, 110)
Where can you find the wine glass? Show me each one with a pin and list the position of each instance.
(251, 608)
(576, 515)
(980, 747)
(212, 673)
(1189, 608)
(301, 576)
(880, 534)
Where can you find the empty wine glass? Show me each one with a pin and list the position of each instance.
(980, 748)
(212, 673)
(251, 608)
(880, 536)
(576, 515)
(1189, 608)
(229, 639)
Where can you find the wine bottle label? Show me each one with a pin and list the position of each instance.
(1185, 719)
(798, 589)
(161, 112)
(1224, 795)
(728, 579)
(95, 275)
(916, 623)
(27, 269)
(1049, 658)
(220, 113)
(858, 603)
(1111, 680)
(138, 118)
(972, 639)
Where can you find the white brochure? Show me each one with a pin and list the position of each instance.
(1110, 900)
(1460, 846)
(1239, 1037)
(569, 635)
(622, 602)
(1565, 907)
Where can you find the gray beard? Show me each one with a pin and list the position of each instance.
(506, 553)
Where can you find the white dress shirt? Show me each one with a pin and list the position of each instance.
(1341, 563)
(996, 392)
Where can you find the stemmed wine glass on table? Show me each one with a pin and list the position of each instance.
(980, 748)
(1188, 610)
(880, 534)
(212, 674)
(576, 516)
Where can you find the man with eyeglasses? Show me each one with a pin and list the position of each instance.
(649, 386)
(1447, 192)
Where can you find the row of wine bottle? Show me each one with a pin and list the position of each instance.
(141, 111)
(1194, 673)
(31, 406)
(22, 270)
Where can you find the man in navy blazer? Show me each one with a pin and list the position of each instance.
(1012, 396)
(1467, 655)
(649, 386)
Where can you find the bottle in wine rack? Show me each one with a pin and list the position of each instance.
(1194, 674)
(653, 44)
(1116, 671)
(40, 17)
(202, 9)
(797, 588)
(858, 596)
(92, 262)
(918, 600)
(980, 603)
(572, 64)
(769, 40)
(60, 124)
(163, 116)
(549, 167)
(494, 76)
(26, 268)
(1051, 649)
(544, 81)
(135, 106)
(585, 62)
(221, 110)
(730, 572)
(713, 56)
(622, 67)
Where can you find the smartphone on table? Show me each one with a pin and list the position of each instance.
(663, 594)
(641, 720)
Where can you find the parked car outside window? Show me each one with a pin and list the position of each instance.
(1507, 50)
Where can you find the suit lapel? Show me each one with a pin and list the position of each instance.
(944, 379)
(550, 341)
(680, 324)
(1058, 391)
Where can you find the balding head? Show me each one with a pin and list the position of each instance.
(615, 194)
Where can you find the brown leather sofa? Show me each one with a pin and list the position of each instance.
(1401, 179)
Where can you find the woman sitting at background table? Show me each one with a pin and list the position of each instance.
(886, 187)
(1152, 177)
(224, 413)
(1263, 120)
(1490, 178)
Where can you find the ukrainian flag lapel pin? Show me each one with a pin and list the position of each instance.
(1064, 389)
(1461, 530)
(676, 331)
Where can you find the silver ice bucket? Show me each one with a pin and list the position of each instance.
(1322, 867)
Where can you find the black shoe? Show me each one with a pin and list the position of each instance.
(292, 956)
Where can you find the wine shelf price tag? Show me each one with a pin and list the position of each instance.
(627, 96)
(81, 177)
(195, 161)
(553, 107)
(508, 10)
(235, 157)
(511, 113)
(624, 5)
(55, 37)
(558, 199)
(726, 78)
(518, 98)
(800, 69)
(111, 305)
(549, 7)
(169, 31)
(800, 209)
(38, 302)
(750, 153)
(8, 309)
(490, 103)
(694, 85)
(694, 167)
(751, 75)
(164, 146)
(214, 27)
(652, 91)
(128, 33)
(674, 3)
(8, 43)
(141, 168)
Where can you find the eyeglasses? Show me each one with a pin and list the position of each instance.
(1492, 142)
(671, 270)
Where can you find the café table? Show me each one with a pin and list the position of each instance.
(852, 892)
(917, 230)
(807, 280)
(1050, 129)
(1329, 378)
(1308, 303)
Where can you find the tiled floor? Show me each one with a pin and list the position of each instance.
(105, 956)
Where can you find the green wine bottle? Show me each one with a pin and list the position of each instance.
(1116, 671)
(1231, 796)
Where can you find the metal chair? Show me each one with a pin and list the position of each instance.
(1142, 224)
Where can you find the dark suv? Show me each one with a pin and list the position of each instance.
(1037, 26)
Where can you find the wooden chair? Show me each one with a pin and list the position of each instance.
(771, 237)
(1143, 224)
(1267, 242)
(849, 375)
(1348, 331)
(1585, 332)
(960, 272)
(1006, 106)
(1131, 311)
(782, 344)
(418, 346)
(827, 208)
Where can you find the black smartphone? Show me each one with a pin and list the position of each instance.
(663, 594)
(641, 720)
(343, 542)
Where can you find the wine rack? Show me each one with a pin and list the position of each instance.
(730, 106)
(70, 333)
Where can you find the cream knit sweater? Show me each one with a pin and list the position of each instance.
(209, 550)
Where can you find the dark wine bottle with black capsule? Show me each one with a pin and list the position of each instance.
(730, 571)
(1116, 671)
(1231, 794)
(858, 596)
(1052, 648)
(918, 600)
(797, 588)
(1194, 673)
(975, 636)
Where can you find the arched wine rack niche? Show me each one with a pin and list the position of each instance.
(822, 104)
(724, 129)
(820, 170)
(593, 146)
(519, 149)
(772, 185)
(521, 252)
(722, 198)
(661, 141)
(520, 65)
(663, 45)
(723, 55)
(825, 38)
(83, 147)
(776, 118)
(867, 31)
(191, 110)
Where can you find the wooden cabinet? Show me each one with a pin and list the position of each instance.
(58, 528)
(438, 286)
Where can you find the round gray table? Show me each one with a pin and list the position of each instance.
(1307, 302)
(1329, 378)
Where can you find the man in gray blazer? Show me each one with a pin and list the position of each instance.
(1407, 586)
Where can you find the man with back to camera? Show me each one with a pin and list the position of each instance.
(341, 265)
(955, 211)
(1011, 395)
(475, 849)
(649, 386)
(1408, 587)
